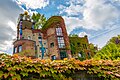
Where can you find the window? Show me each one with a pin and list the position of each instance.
(89, 55)
(29, 37)
(44, 43)
(15, 49)
(84, 46)
(20, 48)
(40, 37)
(80, 55)
(63, 54)
(53, 57)
(78, 44)
(52, 44)
(61, 43)
(59, 31)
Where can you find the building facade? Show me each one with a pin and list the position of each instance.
(49, 42)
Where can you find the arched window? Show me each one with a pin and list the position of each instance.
(60, 38)
(15, 49)
(39, 37)
(29, 37)
(59, 31)
(20, 48)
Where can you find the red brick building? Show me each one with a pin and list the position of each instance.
(52, 38)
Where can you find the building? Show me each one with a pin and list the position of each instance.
(51, 41)
(81, 48)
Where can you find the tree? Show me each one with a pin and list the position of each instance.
(110, 51)
(39, 20)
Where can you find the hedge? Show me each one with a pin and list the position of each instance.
(21, 68)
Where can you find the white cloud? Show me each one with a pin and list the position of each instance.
(73, 9)
(8, 21)
(1, 52)
(97, 14)
(33, 4)
(103, 15)
(82, 34)
(12, 25)
(72, 23)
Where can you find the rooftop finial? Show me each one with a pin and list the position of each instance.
(26, 13)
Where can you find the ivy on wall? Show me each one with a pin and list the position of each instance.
(53, 19)
(17, 68)
(78, 45)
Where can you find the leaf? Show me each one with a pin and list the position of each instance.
(70, 78)
(6, 75)
(16, 77)
(24, 73)
(1, 74)
(12, 73)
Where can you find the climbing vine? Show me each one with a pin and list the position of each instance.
(17, 68)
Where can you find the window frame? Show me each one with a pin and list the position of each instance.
(52, 45)
(61, 42)
(53, 57)
(63, 54)
(15, 49)
(59, 31)
(29, 37)
(19, 48)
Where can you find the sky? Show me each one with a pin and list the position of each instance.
(99, 19)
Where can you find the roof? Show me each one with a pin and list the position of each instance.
(36, 30)
(51, 20)
(78, 39)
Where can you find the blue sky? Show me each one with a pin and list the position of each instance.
(99, 19)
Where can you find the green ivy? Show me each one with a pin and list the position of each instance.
(17, 68)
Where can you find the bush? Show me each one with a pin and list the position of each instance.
(17, 68)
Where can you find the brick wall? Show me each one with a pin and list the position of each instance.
(27, 45)
(52, 39)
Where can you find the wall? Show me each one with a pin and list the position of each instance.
(27, 45)
(51, 38)
(26, 33)
(83, 46)
(44, 42)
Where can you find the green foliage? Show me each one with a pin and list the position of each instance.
(93, 48)
(77, 46)
(73, 35)
(53, 19)
(17, 68)
(111, 51)
(39, 20)
(25, 53)
(83, 56)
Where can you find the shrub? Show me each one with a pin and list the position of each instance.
(17, 68)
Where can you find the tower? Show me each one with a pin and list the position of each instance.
(24, 40)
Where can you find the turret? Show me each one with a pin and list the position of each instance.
(24, 40)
